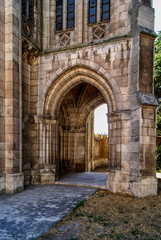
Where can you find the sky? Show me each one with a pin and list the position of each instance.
(100, 117)
(157, 7)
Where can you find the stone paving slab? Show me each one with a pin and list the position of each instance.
(27, 215)
(88, 179)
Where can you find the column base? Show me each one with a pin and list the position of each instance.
(144, 187)
(14, 183)
(45, 176)
(118, 182)
(2, 184)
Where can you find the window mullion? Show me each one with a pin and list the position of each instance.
(27, 9)
(64, 14)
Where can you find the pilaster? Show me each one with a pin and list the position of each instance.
(13, 98)
(45, 170)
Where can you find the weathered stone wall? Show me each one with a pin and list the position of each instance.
(100, 151)
(146, 64)
(119, 24)
(111, 59)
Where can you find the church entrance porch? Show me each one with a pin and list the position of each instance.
(65, 133)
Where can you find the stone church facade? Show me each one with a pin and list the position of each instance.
(59, 60)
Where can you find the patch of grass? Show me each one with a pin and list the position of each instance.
(101, 195)
(111, 235)
(80, 214)
(143, 208)
(105, 224)
(99, 219)
(73, 239)
(121, 211)
(125, 221)
(117, 236)
(135, 231)
(102, 235)
(78, 205)
(88, 227)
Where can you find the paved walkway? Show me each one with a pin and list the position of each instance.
(27, 215)
(88, 179)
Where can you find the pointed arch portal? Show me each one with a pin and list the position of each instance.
(70, 101)
(66, 127)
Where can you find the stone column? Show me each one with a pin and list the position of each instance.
(114, 161)
(13, 98)
(143, 181)
(132, 141)
(46, 169)
(2, 94)
(89, 153)
(119, 151)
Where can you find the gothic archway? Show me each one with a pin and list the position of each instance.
(69, 102)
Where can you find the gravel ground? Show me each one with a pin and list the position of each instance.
(110, 216)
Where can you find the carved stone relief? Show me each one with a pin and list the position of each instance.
(64, 39)
(98, 32)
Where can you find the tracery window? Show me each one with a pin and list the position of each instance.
(28, 9)
(31, 12)
(92, 11)
(70, 13)
(62, 14)
(59, 15)
(98, 11)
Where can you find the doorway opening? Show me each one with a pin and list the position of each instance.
(77, 141)
(100, 161)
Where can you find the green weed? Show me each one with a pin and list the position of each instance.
(126, 221)
(78, 205)
(105, 224)
(135, 231)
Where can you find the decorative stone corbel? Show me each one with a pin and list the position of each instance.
(29, 52)
(33, 54)
(25, 51)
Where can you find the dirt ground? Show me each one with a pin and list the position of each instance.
(110, 216)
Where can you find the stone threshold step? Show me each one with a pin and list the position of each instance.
(80, 185)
